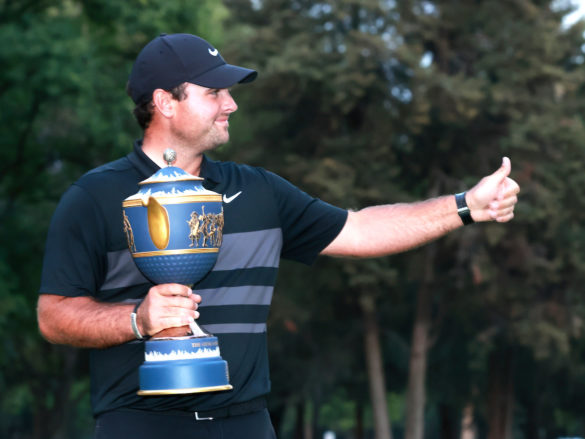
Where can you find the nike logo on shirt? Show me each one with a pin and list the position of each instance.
(228, 200)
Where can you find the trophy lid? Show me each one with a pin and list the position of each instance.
(172, 182)
(170, 173)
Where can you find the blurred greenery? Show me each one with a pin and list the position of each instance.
(359, 103)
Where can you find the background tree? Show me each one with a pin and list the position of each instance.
(64, 111)
(451, 88)
(485, 89)
(323, 102)
(360, 103)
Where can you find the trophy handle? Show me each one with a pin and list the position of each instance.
(158, 222)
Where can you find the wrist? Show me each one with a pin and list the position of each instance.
(463, 209)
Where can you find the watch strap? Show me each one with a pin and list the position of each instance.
(463, 209)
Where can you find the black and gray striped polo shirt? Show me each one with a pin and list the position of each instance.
(266, 218)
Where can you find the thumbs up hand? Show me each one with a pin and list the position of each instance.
(494, 197)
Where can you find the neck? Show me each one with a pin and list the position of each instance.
(188, 159)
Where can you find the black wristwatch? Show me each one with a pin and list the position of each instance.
(463, 209)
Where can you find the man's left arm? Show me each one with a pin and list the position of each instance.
(388, 229)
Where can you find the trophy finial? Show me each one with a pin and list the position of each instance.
(169, 156)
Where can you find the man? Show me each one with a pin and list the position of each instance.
(90, 284)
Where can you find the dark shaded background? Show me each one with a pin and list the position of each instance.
(359, 103)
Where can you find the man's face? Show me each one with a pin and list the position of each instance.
(202, 117)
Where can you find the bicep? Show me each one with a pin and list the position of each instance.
(345, 243)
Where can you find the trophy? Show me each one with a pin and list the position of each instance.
(174, 226)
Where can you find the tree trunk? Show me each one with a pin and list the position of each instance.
(308, 430)
(468, 430)
(415, 402)
(500, 395)
(375, 368)
(416, 396)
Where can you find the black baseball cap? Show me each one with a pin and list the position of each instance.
(169, 60)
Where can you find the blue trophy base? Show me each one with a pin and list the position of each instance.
(183, 365)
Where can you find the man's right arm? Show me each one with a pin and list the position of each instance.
(88, 323)
(383, 230)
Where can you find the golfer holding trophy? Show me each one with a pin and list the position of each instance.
(142, 247)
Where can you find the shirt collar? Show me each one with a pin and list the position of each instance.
(142, 162)
(209, 168)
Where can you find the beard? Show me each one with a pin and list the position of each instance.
(203, 141)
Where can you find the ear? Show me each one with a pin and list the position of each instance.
(163, 102)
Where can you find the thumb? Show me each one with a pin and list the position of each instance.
(504, 170)
(501, 175)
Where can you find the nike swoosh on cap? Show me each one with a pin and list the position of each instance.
(213, 52)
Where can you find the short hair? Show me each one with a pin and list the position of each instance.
(143, 112)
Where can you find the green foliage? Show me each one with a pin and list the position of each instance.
(64, 111)
(375, 102)
(492, 91)
(359, 103)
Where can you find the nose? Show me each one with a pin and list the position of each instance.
(228, 104)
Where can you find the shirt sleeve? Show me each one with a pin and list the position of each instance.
(74, 262)
(308, 224)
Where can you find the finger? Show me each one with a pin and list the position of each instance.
(500, 213)
(174, 322)
(502, 175)
(174, 312)
(503, 171)
(173, 290)
(512, 187)
(186, 314)
(506, 167)
(506, 212)
(180, 302)
(508, 189)
(506, 202)
(505, 218)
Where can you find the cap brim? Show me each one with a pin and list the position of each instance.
(224, 76)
